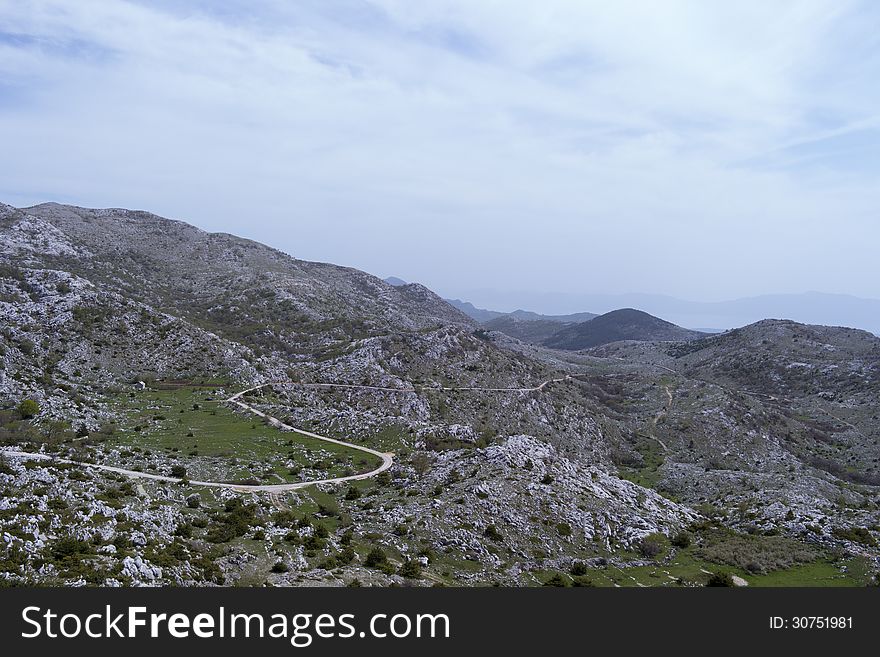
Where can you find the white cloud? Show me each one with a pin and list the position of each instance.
(573, 146)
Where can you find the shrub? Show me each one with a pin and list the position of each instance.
(652, 545)
(346, 556)
(720, 579)
(757, 554)
(313, 543)
(854, 534)
(556, 580)
(681, 540)
(178, 471)
(280, 567)
(582, 581)
(28, 408)
(376, 558)
(491, 532)
(578, 568)
(329, 563)
(410, 570)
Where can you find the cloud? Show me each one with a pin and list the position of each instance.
(679, 147)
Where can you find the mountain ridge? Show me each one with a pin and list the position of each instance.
(619, 325)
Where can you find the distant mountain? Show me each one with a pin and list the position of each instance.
(814, 308)
(482, 315)
(535, 331)
(396, 282)
(574, 318)
(473, 312)
(626, 324)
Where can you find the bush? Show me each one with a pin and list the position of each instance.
(652, 545)
(346, 556)
(681, 540)
(239, 517)
(68, 547)
(194, 501)
(410, 570)
(854, 534)
(280, 567)
(376, 558)
(178, 471)
(556, 580)
(28, 408)
(491, 532)
(757, 554)
(720, 579)
(578, 568)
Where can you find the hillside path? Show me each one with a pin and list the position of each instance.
(386, 457)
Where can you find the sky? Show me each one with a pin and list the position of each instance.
(701, 150)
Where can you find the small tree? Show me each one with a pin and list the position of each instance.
(410, 570)
(28, 408)
(178, 471)
(376, 558)
(421, 463)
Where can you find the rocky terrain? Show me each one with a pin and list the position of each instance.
(658, 460)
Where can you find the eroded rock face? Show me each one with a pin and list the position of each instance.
(140, 571)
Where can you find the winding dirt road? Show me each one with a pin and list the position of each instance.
(386, 457)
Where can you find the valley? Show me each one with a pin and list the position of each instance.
(262, 420)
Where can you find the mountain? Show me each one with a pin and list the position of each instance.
(626, 324)
(483, 316)
(573, 318)
(396, 282)
(123, 329)
(535, 331)
(814, 389)
(122, 333)
(222, 282)
(479, 314)
(814, 308)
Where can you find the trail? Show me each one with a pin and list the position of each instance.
(386, 457)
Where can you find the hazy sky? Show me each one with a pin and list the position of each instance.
(706, 150)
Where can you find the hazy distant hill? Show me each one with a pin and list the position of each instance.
(626, 324)
(479, 314)
(815, 308)
(535, 331)
(482, 315)
(396, 282)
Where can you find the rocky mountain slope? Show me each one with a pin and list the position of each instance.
(626, 324)
(514, 463)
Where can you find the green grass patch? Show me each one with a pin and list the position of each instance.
(211, 441)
